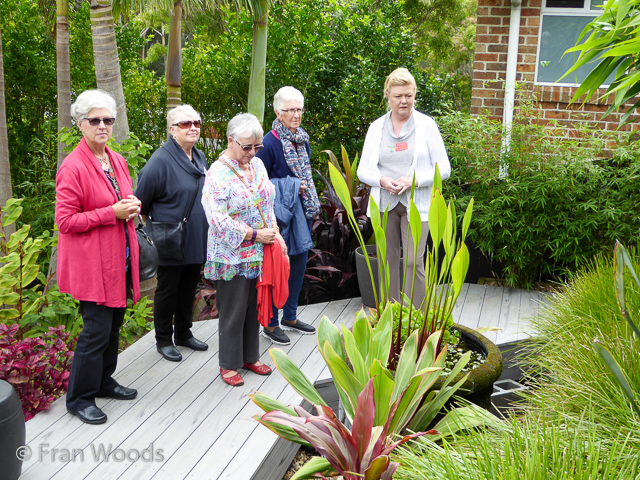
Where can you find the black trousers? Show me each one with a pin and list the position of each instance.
(174, 299)
(238, 326)
(96, 355)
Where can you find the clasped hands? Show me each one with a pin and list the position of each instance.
(396, 187)
(269, 236)
(127, 208)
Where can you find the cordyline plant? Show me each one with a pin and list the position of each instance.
(444, 277)
(620, 260)
(362, 452)
(38, 368)
(332, 232)
(404, 396)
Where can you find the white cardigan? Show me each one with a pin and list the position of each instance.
(429, 150)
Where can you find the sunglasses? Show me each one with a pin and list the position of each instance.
(187, 124)
(248, 148)
(94, 122)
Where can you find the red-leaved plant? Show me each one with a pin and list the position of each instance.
(38, 368)
(359, 453)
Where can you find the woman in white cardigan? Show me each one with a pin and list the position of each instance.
(401, 143)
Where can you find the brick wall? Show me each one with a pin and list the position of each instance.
(539, 103)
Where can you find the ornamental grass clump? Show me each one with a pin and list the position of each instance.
(573, 375)
(522, 449)
(581, 420)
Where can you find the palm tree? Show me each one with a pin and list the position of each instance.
(107, 63)
(260, 13)
(174, 58)
(6, 191)
(63, 70)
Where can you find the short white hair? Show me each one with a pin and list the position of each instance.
(284, 95)
(90, 99)
(244, 125)
(174, 113)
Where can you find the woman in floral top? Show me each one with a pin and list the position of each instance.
(236, 188)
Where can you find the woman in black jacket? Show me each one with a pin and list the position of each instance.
(170, 189)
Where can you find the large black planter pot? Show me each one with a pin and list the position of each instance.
(12, 432)
(364, 279)
(479, 386)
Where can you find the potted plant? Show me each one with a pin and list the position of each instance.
(359, 360)
(444, 276)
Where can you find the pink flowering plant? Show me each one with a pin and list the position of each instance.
(37, 368)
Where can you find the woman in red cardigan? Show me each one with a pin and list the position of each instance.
(97, 252)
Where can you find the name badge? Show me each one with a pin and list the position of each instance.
(402, 146)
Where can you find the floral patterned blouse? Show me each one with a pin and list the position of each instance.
(230, 207)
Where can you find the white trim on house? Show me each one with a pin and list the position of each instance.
(586, 11)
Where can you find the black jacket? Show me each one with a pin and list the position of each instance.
(166, 186)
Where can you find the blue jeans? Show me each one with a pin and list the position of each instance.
(298, 264)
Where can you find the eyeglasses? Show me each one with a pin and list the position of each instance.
(187, 124)
(248, 148)
(94, 122)
(293, 111)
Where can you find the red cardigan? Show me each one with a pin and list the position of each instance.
(91, 245)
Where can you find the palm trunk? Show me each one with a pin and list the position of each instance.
(107, 63)
(174, 59)
(6, 191)
(63, 71)
(259, 63)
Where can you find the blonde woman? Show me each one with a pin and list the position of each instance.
(401, 143)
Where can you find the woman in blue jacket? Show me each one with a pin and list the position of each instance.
(286, 156)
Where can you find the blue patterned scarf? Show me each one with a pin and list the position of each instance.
(295, 154)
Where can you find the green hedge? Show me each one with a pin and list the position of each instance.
(563, 199)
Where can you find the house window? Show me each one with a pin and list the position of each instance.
(561, 25)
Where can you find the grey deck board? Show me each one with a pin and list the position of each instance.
(204, 428)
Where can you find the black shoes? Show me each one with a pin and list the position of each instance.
(277, 336)
(91, 415)
(299, 326)
(193, 343)
(120, 393)
(170, 353)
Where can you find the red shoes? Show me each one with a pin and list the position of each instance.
(259, 369)
(235, 380)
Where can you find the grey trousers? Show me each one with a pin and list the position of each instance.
(238, 326)
(397, 236)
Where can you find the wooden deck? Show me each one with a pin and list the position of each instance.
(187, 424)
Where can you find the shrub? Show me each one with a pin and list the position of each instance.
(136, 320)
(560, 204)
(38, 368)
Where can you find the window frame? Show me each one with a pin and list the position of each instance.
(585, 11)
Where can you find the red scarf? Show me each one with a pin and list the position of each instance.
(273, 284)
